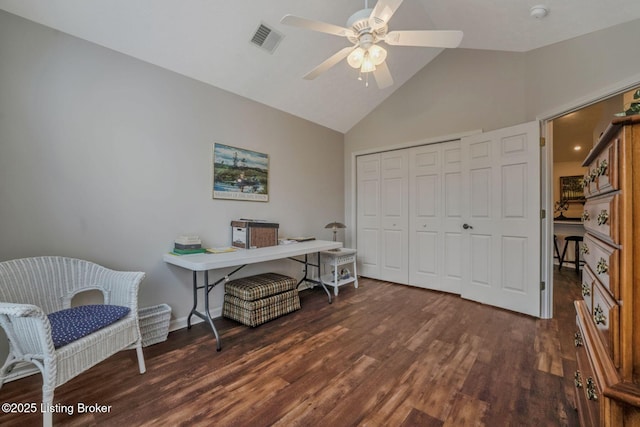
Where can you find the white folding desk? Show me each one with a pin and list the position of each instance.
(239, 259)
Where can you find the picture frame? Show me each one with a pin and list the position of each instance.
(240, 174)
(571, 189)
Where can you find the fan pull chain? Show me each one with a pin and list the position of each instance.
(366, 78)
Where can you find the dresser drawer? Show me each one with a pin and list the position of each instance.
(602, 172)
(588, 390)
(588, 282)
(604, 261)
(605, 315)
(600, 217)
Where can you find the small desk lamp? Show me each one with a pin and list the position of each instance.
(334, 226)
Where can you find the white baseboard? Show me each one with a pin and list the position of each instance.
(181, 322)
(24, 369)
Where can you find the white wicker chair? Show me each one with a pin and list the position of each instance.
(31, 288)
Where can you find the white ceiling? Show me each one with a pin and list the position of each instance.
(208, 40)
(582, 129)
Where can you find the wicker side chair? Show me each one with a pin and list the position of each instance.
(32, 288)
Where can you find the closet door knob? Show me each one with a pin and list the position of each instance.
(467, 226)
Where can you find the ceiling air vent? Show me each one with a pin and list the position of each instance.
(266, 38)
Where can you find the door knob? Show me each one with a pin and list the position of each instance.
(467, 226)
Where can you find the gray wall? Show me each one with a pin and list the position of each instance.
(108, 158)
(460, 90)
(465, 90)
(580, 68)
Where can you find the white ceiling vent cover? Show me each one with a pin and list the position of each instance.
(266, 38)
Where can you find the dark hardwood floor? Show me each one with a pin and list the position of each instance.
(380, 355)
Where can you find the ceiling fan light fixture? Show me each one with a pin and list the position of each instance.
(356, 57)
(377, 54)
(367, 64)
(367, 60)
(364, 30)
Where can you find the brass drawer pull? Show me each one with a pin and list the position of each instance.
(585, 216)
(577, 379)
(591, 389)
(602, 266)
(586, 290)
(584, 249)
(603, 217)
(577, 339)
(602, 168)
(598, 316)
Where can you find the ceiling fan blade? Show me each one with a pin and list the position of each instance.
(308, 24)
(383, 76)
(446, 39)
(330, 62)
(383, 11)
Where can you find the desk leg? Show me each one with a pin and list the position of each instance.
(321, 282)
(306, 271)
(355, 272)
(207, 289)
(195, 299)
(334, 265)
(206, 316)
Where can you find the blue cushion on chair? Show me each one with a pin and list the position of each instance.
(74, 323)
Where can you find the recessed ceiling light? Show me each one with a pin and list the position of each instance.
(577, 148)
(539, 11)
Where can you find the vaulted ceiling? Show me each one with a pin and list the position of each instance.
(209, 40)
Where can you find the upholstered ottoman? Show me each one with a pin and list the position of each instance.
(255, 300)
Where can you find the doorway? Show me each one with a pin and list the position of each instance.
(570, 135)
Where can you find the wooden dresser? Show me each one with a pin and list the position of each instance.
(608, 317)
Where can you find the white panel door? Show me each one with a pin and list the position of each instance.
(368, 214)
(452, 202)
(501, 172)
(435, 198)
(425, 216)
(394, 220)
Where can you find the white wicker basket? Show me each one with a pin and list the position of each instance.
(154, 324)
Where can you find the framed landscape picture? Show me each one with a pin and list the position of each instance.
(240, 174)
(571, 188)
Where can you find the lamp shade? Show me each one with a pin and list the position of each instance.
(334, 226)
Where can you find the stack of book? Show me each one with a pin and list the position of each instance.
(186, 244)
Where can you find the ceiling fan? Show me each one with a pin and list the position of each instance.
(365, 29)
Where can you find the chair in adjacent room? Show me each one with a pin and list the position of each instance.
(576, 240)
(555, 247)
